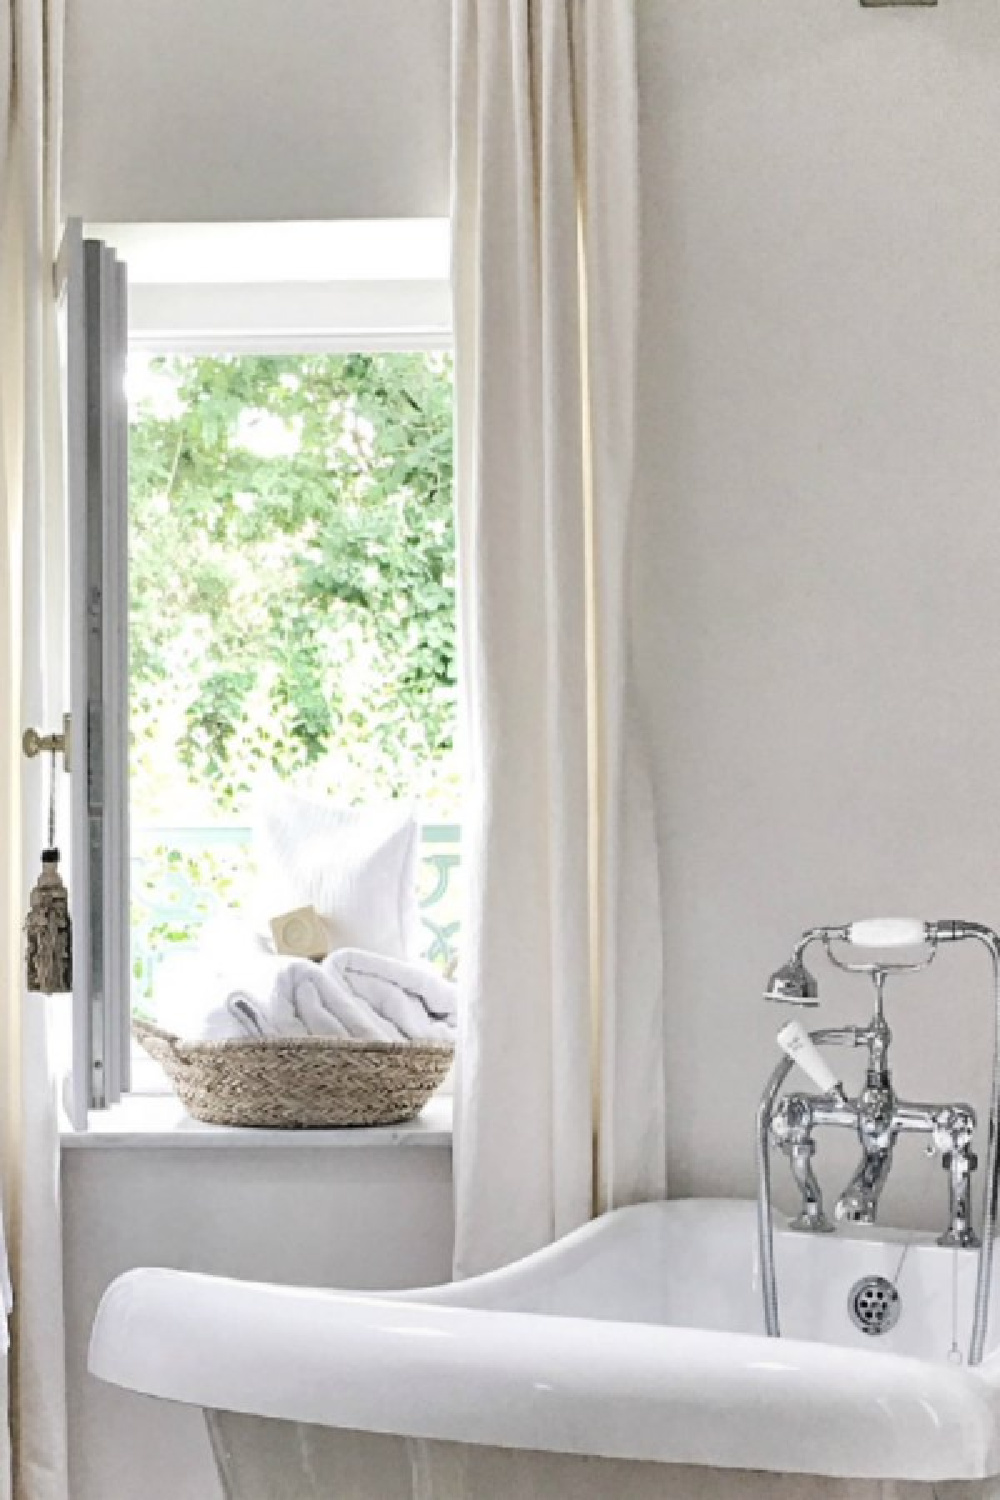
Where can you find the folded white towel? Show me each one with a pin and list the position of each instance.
(414, 998)
(352, 993)
(305, 999)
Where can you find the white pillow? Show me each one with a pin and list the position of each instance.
(356, 865)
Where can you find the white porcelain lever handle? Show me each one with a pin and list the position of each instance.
(888, 932)
(796, 1043)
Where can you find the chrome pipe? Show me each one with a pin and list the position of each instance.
(984, 1270)
(765, 1228)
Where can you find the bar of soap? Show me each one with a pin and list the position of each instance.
(301, 933)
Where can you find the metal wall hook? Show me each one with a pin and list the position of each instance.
(34, 743)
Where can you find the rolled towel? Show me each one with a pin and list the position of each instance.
(316, 1017)
(327, 1006)
(262, 1013)
(191, 990)
(242, 1012)
(268, 989)
(301, 999)
(211, 996)
(413, 998)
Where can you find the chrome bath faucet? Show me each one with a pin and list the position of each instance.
(877, 1115)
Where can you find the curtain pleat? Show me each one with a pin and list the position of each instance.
(32, 578)
(560, 1094)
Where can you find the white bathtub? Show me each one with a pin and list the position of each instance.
(627, 1360)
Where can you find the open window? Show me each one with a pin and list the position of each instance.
(272, 590)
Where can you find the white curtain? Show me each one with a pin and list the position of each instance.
(33, 1440)
(560, 1105)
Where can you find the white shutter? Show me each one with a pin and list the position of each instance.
(96, 324)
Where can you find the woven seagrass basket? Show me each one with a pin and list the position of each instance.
(299, 1082)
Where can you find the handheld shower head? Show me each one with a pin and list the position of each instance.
(793, 984)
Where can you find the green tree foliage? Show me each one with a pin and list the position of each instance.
(292, 570)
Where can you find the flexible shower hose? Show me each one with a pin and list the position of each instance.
(981, 1314)
(842, 1036)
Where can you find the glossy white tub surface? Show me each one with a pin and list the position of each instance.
(638, 1337)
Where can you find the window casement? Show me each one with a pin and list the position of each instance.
(94, 303)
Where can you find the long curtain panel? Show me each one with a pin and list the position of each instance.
(33, 1438)
(560, 1099)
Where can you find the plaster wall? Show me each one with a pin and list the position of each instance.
(819, 533)
(216, 110)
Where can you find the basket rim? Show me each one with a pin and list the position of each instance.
(146, 1029)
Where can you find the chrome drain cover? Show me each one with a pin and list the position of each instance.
(874, 1305)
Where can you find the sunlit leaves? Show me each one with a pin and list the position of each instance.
(292, 560)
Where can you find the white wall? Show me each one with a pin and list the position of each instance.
(247, 109)
(304, 1215)
(820, 531)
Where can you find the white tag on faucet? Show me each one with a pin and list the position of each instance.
(888, 932)
(797, 1044)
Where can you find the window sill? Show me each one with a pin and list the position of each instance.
(142, 1121)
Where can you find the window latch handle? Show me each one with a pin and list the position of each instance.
(34, 743)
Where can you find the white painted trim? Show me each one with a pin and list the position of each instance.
(238, 316)
(365, 286)
(117, 923)
(292, 341)
(291, 317)
(142, 1121)
(330, 251)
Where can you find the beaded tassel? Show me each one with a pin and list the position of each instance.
(49, 949)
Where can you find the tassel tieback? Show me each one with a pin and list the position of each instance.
(49, 931)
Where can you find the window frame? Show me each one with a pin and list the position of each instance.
(167, 317)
